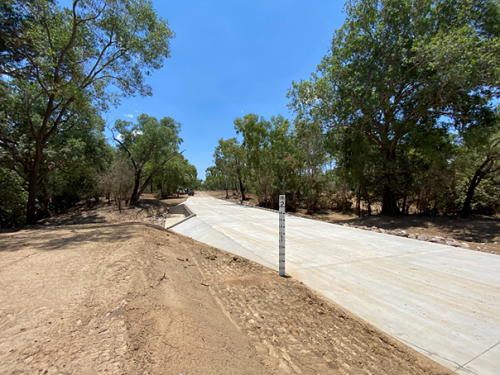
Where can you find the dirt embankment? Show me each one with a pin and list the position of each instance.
(126, 297)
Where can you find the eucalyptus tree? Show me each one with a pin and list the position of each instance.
(79, 157)
(89, 54)
(230, 163)
(148, 141)
(398, 66)
(213, 179)
(78, 152)
(310, 155)
(175, 174)
(266, 147)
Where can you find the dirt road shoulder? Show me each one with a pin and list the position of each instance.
(130, 297)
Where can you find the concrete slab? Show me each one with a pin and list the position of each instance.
(173, 219)
(442, 301)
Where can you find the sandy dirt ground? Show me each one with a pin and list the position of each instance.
(481, 232)
(121, 296)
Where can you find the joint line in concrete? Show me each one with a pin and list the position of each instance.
(476, 357)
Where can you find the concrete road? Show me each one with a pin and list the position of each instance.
(440, 300)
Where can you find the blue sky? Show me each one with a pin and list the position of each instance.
(231, 58)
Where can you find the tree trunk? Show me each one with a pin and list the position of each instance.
(242, 188)
(389, 201)
(344, 198)
(32, 185)
(226, 187)
(358, 200)
(368, 202)
(487, 167)
(135, 194)
(466, 209)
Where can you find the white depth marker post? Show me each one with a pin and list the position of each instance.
(282, 236)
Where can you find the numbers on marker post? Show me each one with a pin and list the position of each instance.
(282, 236)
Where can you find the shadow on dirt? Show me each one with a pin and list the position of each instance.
(64, 237)
(474, 229)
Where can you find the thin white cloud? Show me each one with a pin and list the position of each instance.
(128, 115)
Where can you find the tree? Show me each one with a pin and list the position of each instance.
(311, 155)
(230, 163)
(71, 155)
(149, 141)
(213, 179)
(396, 66)
(266, 145)
(76, 55)
(481, 151)
(119, 181)
(175, 174)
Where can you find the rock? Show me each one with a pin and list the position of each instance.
(391, 232)
(285, 356)
(375, 229)
(423, 237)
(438, 239)
(402, 234)
(412, 236)
(382, 230)
(465, 245)
(451, 242)
(261, 349)
(478, 248)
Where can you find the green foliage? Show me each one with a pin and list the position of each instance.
(176, 174)
(61, 66)
(230, 165)
(396, 67)
(267, 146)
(12, 199)
(149, 144)
(213, 179)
